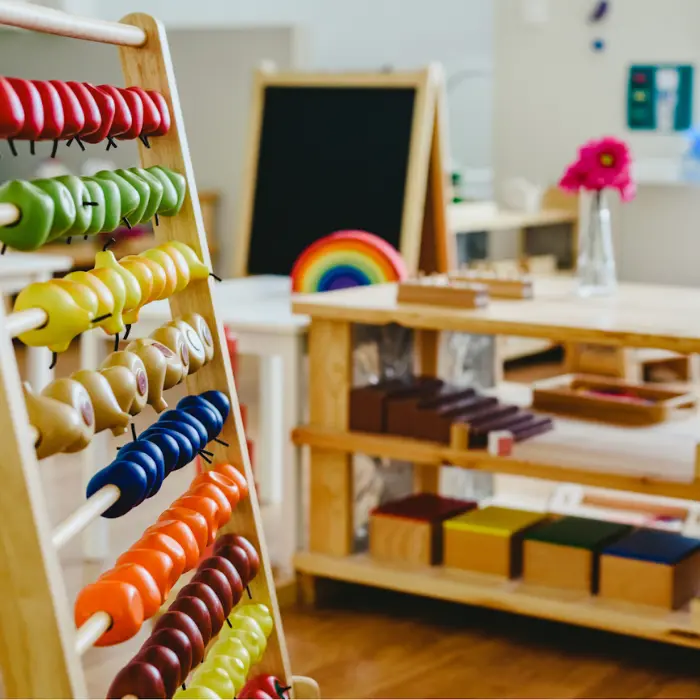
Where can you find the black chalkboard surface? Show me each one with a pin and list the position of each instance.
(333, 157)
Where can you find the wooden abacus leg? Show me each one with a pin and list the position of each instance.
(426, 478)
(37, 652)
(305, 688)
(331, 483)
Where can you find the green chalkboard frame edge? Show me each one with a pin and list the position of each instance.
(422, 166)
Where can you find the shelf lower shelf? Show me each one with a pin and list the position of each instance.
(509, 596)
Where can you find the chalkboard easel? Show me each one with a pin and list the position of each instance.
(329, 152)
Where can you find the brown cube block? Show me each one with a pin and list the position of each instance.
(401, 408)
(368, 404)
(651, 567)
(565, 553)
(410, 530)
(488, 540)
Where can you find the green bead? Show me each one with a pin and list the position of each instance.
(156, 192)
(80, 194)
(113, 202)
(36, 215)
(169, 200)
(64, 206)
(129, 195)
(196, 692)
(144, 192)
(179, 185)
(97, 208)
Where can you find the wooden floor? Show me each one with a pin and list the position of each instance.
(376, 644)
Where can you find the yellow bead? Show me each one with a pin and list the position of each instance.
(106, 259)
(215, 679)
(196, 692)
(260, 613)
(234, 648)
(233, 667)
(198, 270)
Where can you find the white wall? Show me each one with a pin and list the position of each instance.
(552, 92)
(366, 35)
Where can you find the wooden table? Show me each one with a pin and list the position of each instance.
(660, 460)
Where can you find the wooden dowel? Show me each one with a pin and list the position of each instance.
(83, 516)
(49, 21)
(91, 630)
(20, 322)
(9, 214)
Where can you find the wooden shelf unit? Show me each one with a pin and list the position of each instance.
(660, 460)
(40, 648)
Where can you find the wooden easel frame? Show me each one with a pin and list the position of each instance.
(39, 646)
(424, 239)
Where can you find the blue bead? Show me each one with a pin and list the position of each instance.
(150, 457)
(128, 477)
(184, 429)
(185, 417)
(167, 444)
(190, 402)
(209, 417)
(187, 452)
(220, 400)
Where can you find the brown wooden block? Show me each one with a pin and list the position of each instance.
(488, 540)
(651, 567)
(410, 530)
(401, 409)
(368, 404)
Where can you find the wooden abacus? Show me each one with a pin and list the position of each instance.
(40, 647)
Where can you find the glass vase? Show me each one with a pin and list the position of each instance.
(596, 271)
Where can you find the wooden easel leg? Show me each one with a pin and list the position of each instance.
(331, 483)
(306, 589)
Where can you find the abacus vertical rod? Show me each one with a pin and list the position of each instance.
(91, 630)
(77, 521)
(9, 214)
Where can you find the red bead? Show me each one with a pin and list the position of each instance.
(11, 110)
(197, 611)
(73, 115)
(167, 663)
(135, 106)
(208, 596)
(93, 118)
(105, 103)
(33, 109)
(174, 619)
(178, 642)
(139, 679)
(54, 120)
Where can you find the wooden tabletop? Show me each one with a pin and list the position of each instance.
(464, 218)
(637, 315)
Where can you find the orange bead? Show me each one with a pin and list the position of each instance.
(121, 601)
(157, 563)
(216, 494)
(141, 579)
(181, 533)
(208, 507)
(236, 475)
(227, 486)
(159, 542)
(195, 521)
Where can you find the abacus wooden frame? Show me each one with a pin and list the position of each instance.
(39, 647)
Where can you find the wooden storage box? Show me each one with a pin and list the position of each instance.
(651, 567)
(410, 530)
(488, 540)
(610, 400)
(565, 553)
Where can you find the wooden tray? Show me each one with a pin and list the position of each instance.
(610, 400)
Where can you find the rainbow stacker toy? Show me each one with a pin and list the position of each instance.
(221, 637)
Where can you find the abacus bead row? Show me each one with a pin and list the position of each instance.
(67, 206)
(53, 109)
(166, 446)
(109, 295)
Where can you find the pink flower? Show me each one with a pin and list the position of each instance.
(601, 164)
(573, 179)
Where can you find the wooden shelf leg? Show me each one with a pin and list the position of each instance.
(426, 477)
(330, 472)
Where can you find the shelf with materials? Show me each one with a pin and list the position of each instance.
(656, 460)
